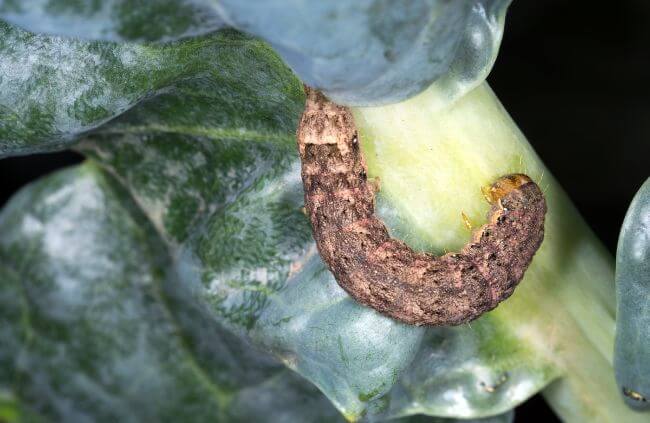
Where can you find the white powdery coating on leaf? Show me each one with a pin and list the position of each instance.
(112, 20)
(36, 15)
(65, 241)
(68, 86)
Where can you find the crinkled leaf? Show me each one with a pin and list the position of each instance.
(359, 52)
(93, 331)
(113, 20)
(632, 354)
(85, 334)
(53, 89)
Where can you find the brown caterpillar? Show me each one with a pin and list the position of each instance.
(384, 273)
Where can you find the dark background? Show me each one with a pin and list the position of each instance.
(574, 76)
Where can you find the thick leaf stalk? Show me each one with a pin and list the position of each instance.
(432, 161)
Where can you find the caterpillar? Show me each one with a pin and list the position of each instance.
(384, 273)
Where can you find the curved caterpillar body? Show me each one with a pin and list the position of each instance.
(384, 273)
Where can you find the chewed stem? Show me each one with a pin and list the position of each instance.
(384, 273)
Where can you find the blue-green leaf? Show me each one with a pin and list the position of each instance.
(85, 332)
(363, 52)
(95, 329)
(54, 89)
(113, 20)
(632, 354)
(370, 52)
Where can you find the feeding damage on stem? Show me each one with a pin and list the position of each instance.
(384, 273)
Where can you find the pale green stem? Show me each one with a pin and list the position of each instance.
(432, 159)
